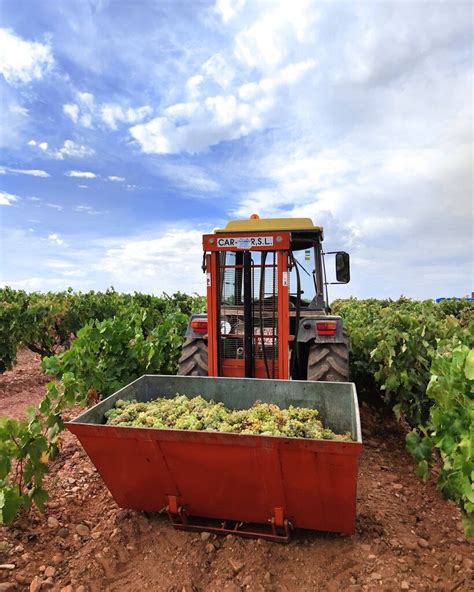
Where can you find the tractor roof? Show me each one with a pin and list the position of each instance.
(270, 225)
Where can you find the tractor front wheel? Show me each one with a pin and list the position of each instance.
(328, 362)
(193, 360)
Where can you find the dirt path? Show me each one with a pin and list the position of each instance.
(22, 386)
(408, 537)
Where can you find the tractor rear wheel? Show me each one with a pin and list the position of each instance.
(193, 360)
(328, 362)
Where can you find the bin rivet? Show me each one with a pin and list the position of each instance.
(211, 241)
(279, 239)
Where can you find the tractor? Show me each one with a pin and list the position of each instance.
(257, 324)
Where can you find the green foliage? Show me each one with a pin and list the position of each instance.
(26, 447)
(418, 356)
(450, 427)
(184, 413)
(107, 355)
(392, 344)
(48, 322)
(115, 338)
(414, 356)
(10, 334)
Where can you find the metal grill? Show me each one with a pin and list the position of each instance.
(264, 307)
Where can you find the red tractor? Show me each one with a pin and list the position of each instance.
(257, 324)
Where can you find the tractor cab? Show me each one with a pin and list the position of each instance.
(257, 323)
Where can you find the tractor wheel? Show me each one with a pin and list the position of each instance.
(193, 360)
(328, 362)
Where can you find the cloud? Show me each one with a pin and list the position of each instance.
(84, 209)
(69, 149)
(72, 110)
(189, 177)
(58, 263)
(170, 262)
(18, 109)
(81, 113)
(115, 178)
(54, 206)
(192, 85)
(269, 40)
(112, 114)
(228, 9)
(72, 149)
(56, 239)
(86, 111)
(196, 125)
(23, 61)
(166, 259)
(31, 172)
(7, 199)
(349, 113)
(81, 174)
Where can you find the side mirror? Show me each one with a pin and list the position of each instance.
(343, 272)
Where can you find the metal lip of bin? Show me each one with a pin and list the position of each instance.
(245, 478)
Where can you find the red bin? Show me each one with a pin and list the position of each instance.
(245, 484)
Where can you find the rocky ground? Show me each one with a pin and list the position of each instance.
(407, 538)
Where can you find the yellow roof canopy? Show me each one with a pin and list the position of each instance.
(270, 225)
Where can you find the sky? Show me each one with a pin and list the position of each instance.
(129, 129)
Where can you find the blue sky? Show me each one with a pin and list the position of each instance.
(130, 128)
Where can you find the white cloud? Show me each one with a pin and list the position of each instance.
(86, 111)
(194, 126)
(23, 61)
(58, 263)
(54, 206)
(31, 172)
(68, 149)
(86, 120)
(165, 260)
(115, 178)
(192, 85)
(72, 110)
(84, 209)
(218, 69)
(269, 40)
(112, 114)
(74, 150)
(7, 199)
(86, 99)
(18, 109)
(83, 111)
(56, 239)
(81, 174)
(228, 9)
(189, 177)
(173, 259)
(14, 117)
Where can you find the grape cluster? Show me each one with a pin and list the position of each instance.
(184, 413)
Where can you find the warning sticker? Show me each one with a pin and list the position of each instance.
(284, 278)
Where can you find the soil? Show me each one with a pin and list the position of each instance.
(407, 536)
